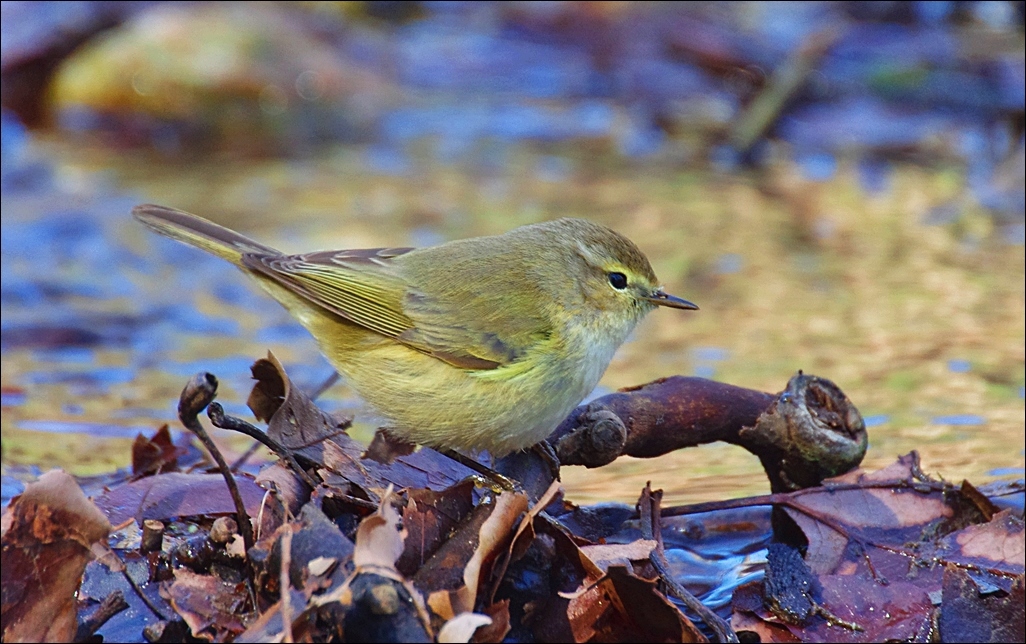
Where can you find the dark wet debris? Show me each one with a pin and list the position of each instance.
(389, 553)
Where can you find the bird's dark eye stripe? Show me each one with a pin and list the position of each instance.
(618, 281)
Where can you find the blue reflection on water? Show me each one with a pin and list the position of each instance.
(238, 293)
(705, 359)
(70, 355)
(959, 419)
(189, 320)
(225, 367)
(818, 166)
(874, 175)
(282, 333)
(704, 371)
(12, 398)
(103, 376)
(553, 169)
(709, 353)
(92, 429)
(476, 121)
(959, 366)
(641, 142)
(387, 160)
(729, 263)
(876, 419)
(1007, 471)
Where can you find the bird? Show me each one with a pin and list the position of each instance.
(484, 343)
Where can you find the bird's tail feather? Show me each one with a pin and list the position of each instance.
(197, 231)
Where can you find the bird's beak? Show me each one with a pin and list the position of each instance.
(661, 298)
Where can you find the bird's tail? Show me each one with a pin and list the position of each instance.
(197, 231)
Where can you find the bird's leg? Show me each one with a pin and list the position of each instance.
(492, 479)
(386, 447)
(547, 453)
(536, 467)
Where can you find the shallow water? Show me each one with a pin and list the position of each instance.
(921, 324)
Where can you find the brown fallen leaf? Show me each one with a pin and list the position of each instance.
(429, 518)
(496, 531)
(969, 614)
(293, 420)
(156, 454)
(177, 494)
(213, 609)
(379, 541)
(878, 547)
(619, 554)
(998, 546)
(622, 607)
(497, 630)
(48, 531)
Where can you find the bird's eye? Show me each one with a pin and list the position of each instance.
(618, 281)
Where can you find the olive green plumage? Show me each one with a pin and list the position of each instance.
(483, 343)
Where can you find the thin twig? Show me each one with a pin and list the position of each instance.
(328, 383)
(111, 605)
(217, 416)
(285, 585)
(352, 500)
(146, 600)
(783, 498)
(198, 393)
(790, 500)
(248, 454)
(651, 529)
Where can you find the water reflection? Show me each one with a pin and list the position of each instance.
(902, 283)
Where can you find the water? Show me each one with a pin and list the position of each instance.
(836, 254)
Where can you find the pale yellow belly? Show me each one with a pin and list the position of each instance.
(431, 402)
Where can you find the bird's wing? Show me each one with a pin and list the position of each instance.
(460, 325)
(473, 327)
(354, 284)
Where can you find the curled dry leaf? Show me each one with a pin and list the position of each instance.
(292, 418)
(523, 538)
(500, 626)
(212, 608)
(461, 628)
(49, 531)
(878, 547)
(495, 532)
(155, 454)
(619, 554)
(320, 565)
(379, 542)
(623, 607)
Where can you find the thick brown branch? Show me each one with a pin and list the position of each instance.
(809, 432)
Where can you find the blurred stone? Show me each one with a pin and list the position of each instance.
(256, 79)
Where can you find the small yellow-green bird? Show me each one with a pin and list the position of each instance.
(482, 343)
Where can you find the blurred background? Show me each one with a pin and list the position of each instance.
(840, 186)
